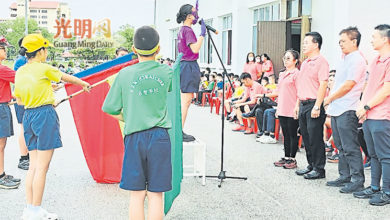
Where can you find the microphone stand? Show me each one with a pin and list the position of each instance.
(222, 174)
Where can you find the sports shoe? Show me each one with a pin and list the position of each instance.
(380, 199)
(26, 214)
(6, 183)
(261, 138)
(269, 140)
(259, 134)
(43, 215)
(280, 162)
(367, 193)
(328, 147)
(334, 158)
(290, 164)
(352, 187)
(248, 131)
(338, 182)
(13, 179)
(188, 138)
(240, 128)
(24, 164)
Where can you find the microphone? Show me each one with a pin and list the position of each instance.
(208, 27)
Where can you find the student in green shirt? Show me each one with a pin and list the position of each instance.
(139, 98)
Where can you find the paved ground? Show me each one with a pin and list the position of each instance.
(269, 192)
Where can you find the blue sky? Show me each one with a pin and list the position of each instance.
(136, 13)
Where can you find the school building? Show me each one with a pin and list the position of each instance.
(269, 26)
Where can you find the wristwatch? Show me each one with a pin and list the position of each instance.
(367, 108)
(316, 108)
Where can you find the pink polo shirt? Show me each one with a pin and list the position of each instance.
(313, 71)
(287, 93)
(268, 64)
(252, 69)
(379, 73)
(255, 89)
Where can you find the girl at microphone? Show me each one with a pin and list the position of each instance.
(190, 46)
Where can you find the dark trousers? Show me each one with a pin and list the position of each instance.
(312, 134)
(362, 142)
(345, 134)
(200, 95)
(289, 128)
(377, 136)
(259, 113)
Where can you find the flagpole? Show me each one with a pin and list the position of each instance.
(26, 18)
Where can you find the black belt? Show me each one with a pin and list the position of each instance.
(308, 101)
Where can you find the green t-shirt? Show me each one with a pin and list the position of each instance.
(141, 91)
(211, 85)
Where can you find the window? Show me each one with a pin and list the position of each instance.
(44, 17)
(174, 33)
(306, 7)
(206, 52)
(33, 16)
(227, 39)
(44, 22)
(44, 11)
(13, 15)
(264, 13)
(33, 11)
(297, 8)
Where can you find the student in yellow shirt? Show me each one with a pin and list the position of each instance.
(41, 124)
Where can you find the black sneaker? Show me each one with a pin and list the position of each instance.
(352, 187)
(188, 138)
(367, 193)
(24, 164)
(338, 182)
(380, 199)
(5, 183)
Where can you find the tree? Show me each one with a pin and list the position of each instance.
(13, 30)
(125, 36)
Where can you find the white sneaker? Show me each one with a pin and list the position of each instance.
(43, 215)
(269, 140)
(261, 138)
(26, 214)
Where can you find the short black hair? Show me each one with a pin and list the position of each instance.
(184, 11)
(208, 69)
(245, 76)
(230, 74)
(219, 74)
(353, 33)
(266, 79)
(266, 56)
(247, 56)
(384, 30)
(146, 38)
(317, 38)
(121, 49)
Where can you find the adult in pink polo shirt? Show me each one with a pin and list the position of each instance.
(248, 101)
(287, 99)
(311, 85)
(251, 67)
(375, 107)
(267, 66)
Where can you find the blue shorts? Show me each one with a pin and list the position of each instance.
(19, 110)
(6, 125)
(42, 128)
(147, 161)
(189, 76)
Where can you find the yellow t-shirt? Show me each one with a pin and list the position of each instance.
(33, 84)
(238, 92)
(271, 86)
